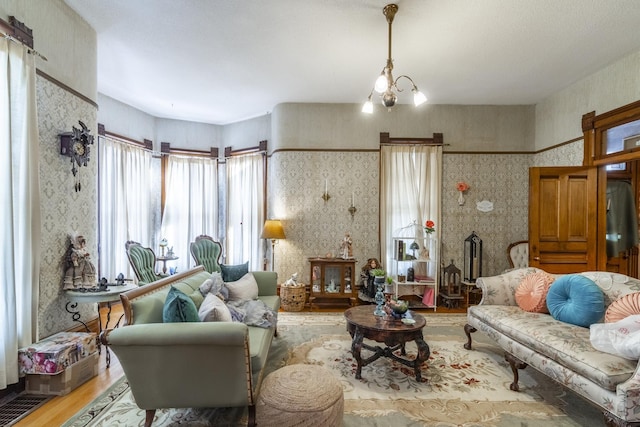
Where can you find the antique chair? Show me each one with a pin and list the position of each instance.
(518, 254)
(143, 261)
(206, 252)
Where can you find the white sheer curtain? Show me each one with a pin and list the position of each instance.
(191, 206)
(20, 201)
(125, 177)
(410, 186)
(245, 207)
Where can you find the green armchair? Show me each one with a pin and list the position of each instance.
(206, 252)
(143, 261)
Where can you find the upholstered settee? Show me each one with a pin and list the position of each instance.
(562, 351)
(190, 364)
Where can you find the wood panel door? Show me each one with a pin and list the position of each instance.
(563, 214)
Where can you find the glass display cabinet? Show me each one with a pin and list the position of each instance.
(332, 280)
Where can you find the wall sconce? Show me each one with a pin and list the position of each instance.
(273, 230)
(352, 209)
(462, 187)
(325, 195)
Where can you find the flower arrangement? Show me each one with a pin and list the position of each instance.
(429, 226)
(462, 186)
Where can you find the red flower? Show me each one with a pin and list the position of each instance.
(462, 186)
(429, 226)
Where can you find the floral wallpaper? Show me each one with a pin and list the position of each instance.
(64, 211)
(315, 228)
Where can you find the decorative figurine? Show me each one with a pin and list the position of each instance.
(346, 251)
(292, 281)
(80, 271)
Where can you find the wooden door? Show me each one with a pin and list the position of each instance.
(563, 216)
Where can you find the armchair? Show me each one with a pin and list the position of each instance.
(518, 254)
(143, 261)
(206, 252)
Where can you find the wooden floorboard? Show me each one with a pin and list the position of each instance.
(59, 409)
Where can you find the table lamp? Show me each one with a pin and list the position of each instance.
(273, 230)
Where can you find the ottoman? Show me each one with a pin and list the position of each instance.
(300, 395)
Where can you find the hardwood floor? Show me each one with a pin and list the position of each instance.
(59, 409)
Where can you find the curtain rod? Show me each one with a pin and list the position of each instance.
(30, 50)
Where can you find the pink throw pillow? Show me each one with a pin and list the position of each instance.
(531, 294)
(627, 305)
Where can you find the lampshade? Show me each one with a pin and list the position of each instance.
(272, 230)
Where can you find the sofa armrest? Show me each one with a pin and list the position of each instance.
(500, 289)
(182, 365)
(267, 282)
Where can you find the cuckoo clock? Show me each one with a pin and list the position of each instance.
(76, 144)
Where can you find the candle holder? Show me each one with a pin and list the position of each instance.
(325, 196)
(352, 210)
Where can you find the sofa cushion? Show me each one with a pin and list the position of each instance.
(575, 299)
(531, 294)
(178, 307)
(231, 273)
(213, 309)
(627, 305)
(244, 289)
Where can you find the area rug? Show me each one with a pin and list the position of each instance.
(458, 387)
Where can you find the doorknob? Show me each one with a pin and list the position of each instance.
(536, 258)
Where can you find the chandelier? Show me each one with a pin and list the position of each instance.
(385, 84)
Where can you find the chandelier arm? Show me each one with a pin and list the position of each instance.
(395, 83)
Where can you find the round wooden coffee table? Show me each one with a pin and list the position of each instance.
(362, 323)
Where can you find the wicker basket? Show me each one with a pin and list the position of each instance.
(292, 298)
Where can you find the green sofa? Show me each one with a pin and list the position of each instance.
(190, 365)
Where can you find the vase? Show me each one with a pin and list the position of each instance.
(461, 198)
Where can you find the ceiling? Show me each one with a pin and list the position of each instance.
(221, 61)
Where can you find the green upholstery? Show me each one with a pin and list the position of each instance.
(190, 364)
(206, 252)
(143, 261)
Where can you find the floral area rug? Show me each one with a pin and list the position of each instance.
(458, 387)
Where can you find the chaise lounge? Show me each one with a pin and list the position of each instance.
(191, 364)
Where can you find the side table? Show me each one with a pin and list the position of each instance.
(164, 260)
(112, 294)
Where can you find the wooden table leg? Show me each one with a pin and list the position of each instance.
(423, 354)
(356, 348)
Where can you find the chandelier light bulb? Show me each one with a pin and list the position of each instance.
(381, 83)
(368, 107)
(419, 98)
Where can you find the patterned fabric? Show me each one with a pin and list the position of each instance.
(54, 354)
(560, 350)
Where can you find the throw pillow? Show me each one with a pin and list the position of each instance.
(213, 309)
(627, 305)
(531, 294)
(231, 273)
(575, 299)
(244, 289)
(178, 307)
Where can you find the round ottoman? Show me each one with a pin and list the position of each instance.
(300, 395)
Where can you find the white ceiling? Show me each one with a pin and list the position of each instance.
(221, 61)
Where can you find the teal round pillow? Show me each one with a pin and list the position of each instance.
(575, 299)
